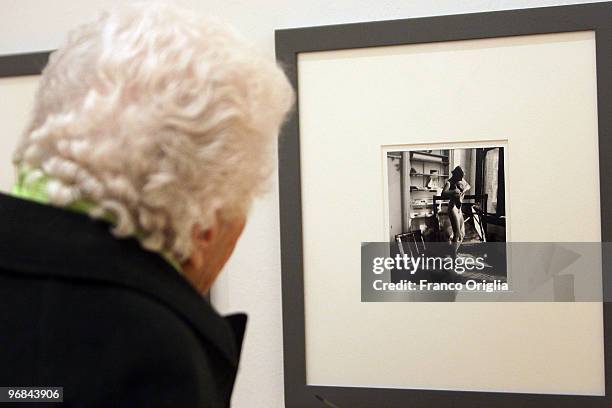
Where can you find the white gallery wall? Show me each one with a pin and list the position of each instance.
(251, 281)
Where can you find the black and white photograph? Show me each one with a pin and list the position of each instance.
(448, 195)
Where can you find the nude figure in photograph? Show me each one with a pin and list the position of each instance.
(454, 190)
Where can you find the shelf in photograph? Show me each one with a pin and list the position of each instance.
(421, 216)
(431, 175)
(431, 155)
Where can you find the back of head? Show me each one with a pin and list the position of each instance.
(160, 118)
(457, 173)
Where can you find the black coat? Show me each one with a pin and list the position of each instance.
(113, 324)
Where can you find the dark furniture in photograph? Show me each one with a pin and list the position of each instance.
(411, 243)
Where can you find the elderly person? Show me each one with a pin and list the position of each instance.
(152, 132)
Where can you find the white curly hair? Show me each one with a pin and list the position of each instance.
(159, 117)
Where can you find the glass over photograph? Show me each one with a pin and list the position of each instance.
(448, 201)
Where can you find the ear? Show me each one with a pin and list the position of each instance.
(201, 239)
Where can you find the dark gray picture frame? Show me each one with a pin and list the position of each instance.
(15, 65)
(289, 43)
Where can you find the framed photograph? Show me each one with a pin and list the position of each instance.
(421, 215)
(416, 180)
(464, 129)
(19, 76)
